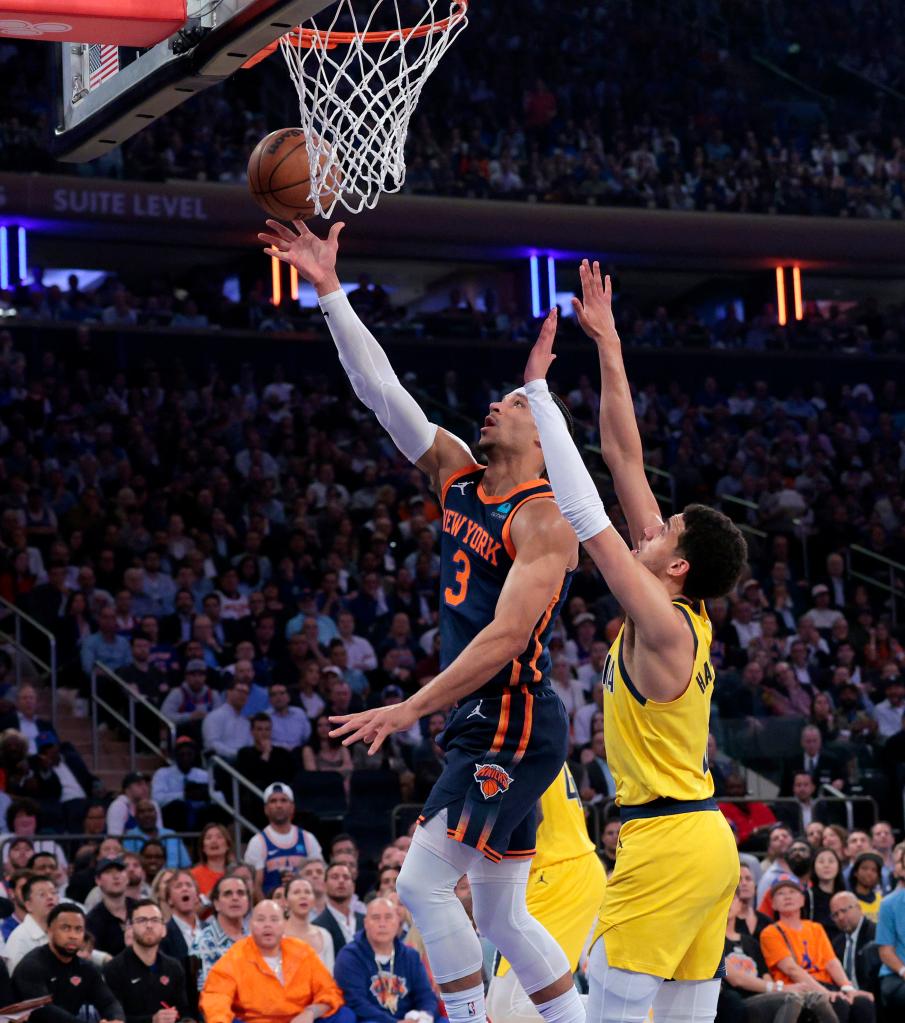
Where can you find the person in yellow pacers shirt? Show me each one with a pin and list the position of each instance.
(667, 901)
(565, 888)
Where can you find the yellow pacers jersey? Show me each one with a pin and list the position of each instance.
(659, 750)
(563, 832)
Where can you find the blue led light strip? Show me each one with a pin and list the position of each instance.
(23, 253)
(4, 258)
(535, 288)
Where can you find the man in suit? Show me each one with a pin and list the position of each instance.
(856, 946)
(806, 808)
(835, 582)
(176, 629)
(184, 924)
(339, 918)
(25, 718)
(823, 767)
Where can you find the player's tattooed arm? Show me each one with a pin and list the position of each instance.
(620, 440)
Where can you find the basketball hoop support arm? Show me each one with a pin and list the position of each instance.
(95, 123)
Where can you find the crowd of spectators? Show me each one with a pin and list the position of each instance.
(657, 105)
(202, 303)
(251, 554)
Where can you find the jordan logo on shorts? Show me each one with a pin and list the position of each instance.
(476, 713)
(492, 779)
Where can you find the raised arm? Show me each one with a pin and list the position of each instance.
(620, 440)
(434, 450)
(546, 549)
(643, 597)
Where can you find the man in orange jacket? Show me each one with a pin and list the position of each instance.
(267, 978)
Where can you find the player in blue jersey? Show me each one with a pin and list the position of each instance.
(507, 557)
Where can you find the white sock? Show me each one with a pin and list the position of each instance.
(565, 1008)
(465, 1006)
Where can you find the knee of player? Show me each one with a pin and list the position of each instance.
(406, 888)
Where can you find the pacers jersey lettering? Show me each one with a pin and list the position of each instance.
(658, 750)
(476, 553)
(562, 833)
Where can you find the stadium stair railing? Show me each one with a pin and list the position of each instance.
(216, 763)
(122, 689)
(164, 752)
(47, 669)
(894, 572)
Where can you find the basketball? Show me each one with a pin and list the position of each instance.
(279, 176)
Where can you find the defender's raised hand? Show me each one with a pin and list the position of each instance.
(541, 357)
(595, 308)
(313, 257)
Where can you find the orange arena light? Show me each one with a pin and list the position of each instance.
(293, 284)
(781, 297)
(796, 290)
(276, 283)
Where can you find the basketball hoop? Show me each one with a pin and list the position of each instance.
(358, 90)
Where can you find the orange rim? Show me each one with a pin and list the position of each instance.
(312, 38)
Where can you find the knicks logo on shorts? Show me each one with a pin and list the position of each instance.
(492, 779)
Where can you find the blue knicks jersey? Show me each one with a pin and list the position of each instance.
(476, 553)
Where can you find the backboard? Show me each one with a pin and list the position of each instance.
(110, 94)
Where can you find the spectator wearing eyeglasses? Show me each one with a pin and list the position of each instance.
(149, 985)
(231, 899)
(855, 945)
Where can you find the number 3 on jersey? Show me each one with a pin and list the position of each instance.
(454, 597)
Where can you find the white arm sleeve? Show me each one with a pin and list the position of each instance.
(573, 487)
(373, 380)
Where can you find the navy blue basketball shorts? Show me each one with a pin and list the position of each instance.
(502, 753)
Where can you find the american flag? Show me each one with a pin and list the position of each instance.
(103, 61)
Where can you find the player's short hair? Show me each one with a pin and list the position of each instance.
(715, 550)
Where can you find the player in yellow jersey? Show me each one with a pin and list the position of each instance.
(664, 912)
(565, 887)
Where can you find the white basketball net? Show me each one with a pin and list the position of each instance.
(357, 96)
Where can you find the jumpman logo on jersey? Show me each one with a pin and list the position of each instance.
(461, 486)
(476, 713)
(542, 880)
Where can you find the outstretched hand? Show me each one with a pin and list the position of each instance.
(313, 257)
(373, 726)
(595, 307)
(541, 358)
